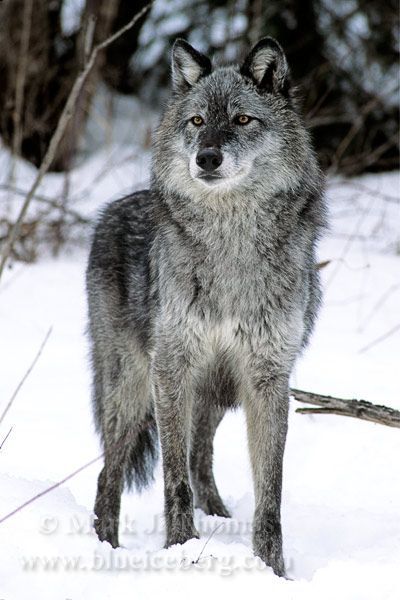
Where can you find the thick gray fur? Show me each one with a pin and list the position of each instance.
(203, 291)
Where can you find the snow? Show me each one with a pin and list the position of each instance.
(340, 516)
(71, 15)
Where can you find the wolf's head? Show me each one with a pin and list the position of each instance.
(230, 128)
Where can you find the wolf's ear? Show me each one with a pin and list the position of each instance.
(188, 65)
(267, 66)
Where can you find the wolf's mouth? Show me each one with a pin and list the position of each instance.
(209, 178)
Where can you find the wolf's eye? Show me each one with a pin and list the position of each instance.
(242, 119)
(196, 120)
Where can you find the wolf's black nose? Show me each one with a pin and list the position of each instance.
(209, 159)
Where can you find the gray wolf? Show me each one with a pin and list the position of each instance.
(203, 290)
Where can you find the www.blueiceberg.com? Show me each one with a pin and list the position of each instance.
(117, 561)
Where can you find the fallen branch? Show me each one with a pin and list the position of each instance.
(60, 130)
(359, 409)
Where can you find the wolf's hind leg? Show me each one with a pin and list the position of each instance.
(109, 489)
(129, 438)
(205, 421)
(130, 458)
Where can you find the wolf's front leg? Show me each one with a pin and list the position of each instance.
(267, 415)
(173, 401)
(206, 418)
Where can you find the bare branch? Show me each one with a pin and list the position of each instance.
(359, 409)
(354, 129)
(50, 202)
(59, 132)
(364, 188)
(380, 339)
(370, 157)
(25, 377)
(393, 288)
(21, 76)
(349, 242)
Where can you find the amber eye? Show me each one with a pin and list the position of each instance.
(243, 119)
(197, 121)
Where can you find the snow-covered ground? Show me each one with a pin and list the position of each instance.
(341, 493)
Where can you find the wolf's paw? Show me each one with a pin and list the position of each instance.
(273, 560)
(213, 505)
(267, 544)
(107, 531)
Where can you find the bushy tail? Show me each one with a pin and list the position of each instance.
(143, 455)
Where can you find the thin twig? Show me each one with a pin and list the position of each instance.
(195, 562)
(369, 157)
(21, 383)
(9, 431)
(112, 162)
(379, 304)
(364, 188)
(354, 129)
(50, 202)
(359, 409)
(113, 447)
(350, 240)
(60, 129)
(49, 489)
(380, 339)
(321, 265)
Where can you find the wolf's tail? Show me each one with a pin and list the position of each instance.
(143, 454)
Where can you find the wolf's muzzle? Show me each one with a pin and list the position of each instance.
(209, 159)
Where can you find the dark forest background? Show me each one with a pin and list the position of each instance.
(343, 54)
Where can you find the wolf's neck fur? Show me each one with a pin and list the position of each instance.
(224, 220)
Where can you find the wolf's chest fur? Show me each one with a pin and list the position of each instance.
(237, 299)
(236, 262)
